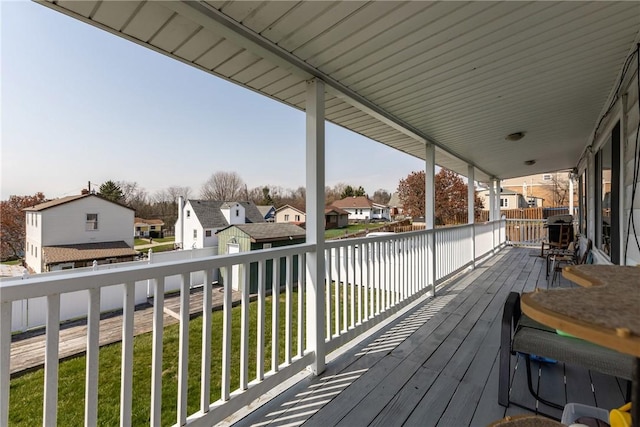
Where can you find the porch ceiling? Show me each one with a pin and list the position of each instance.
(460, 74)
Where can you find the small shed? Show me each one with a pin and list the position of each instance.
(335, 217)
(251, 237)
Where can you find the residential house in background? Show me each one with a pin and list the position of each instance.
(199, 220)
(147, 227)
(74, 231)
(395, 205)
(363, 208)
(252, 237)
(288, 213)
(554, 188)
(268, 212)
(508, 199)
(335, 217)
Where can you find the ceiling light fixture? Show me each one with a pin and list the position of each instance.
(530, 162)
(516, 136)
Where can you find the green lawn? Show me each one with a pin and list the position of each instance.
(352, 228)
(25, 408)
(26, 399)
(14, 262)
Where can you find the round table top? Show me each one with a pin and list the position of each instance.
(526, 421)
(606, 311)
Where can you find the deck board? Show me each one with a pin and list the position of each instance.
(442, 368)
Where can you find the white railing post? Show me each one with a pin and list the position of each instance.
(126, 368)
(471, 217)
(156, 351)
(315, 178)
(92, 358)
(51, 361)
(183, 348)
(5, 360)
(429, 213)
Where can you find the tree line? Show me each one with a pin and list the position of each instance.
(450, 194)
(163, 204)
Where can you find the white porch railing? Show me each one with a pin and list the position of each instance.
(365, 279)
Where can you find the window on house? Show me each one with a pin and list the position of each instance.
(546, 177)
(92, 222)
(153, 227)
(608, 196)
(504, 203)
(36, 252)
(195, 233)
(266, 246)
(207, 233)
(237, 212)
(188, 213)
(297, 217)
(286, 217)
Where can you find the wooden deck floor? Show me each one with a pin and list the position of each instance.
(437, 364)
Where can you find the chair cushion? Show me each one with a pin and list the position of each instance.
(574, 351)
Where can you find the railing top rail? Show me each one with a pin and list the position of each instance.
(38, 286)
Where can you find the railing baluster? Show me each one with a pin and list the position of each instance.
(345, 289)
(302, 268)
(225, 384)
(349, 283)
(5, 360)
(183, 352)
(261, 321)
(327, 267)
(366, 249)
(337, 292)
(156, 351)
(275, 316)
(205, 367)
(357, 272)
(126, 368)
(289, 310)
(244, 327)
(51, 361)
(379, 273)
(92, 358)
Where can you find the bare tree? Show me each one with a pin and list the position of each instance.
(381, 196)
(560, 189)
(223, 186)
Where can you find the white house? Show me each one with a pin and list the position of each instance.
(363, 208)
(199, 220)
(74, 231)
(508, 199)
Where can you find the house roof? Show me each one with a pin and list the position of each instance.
(330, 208)
(63, 200)
(86, 251)
(270, 231)
(265, 209)
(281, 208)
(210, 215)
(460, 75)
(395, 200)
(354, 202)
(142, 221)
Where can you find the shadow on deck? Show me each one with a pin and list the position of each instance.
(436, 364)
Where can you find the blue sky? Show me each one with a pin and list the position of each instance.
(79, 104)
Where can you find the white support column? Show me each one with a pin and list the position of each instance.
(492, 200)
(471, 218)
(591, 196)
(496, 203)
(571, 194)
(429, 213)
(315, 178)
